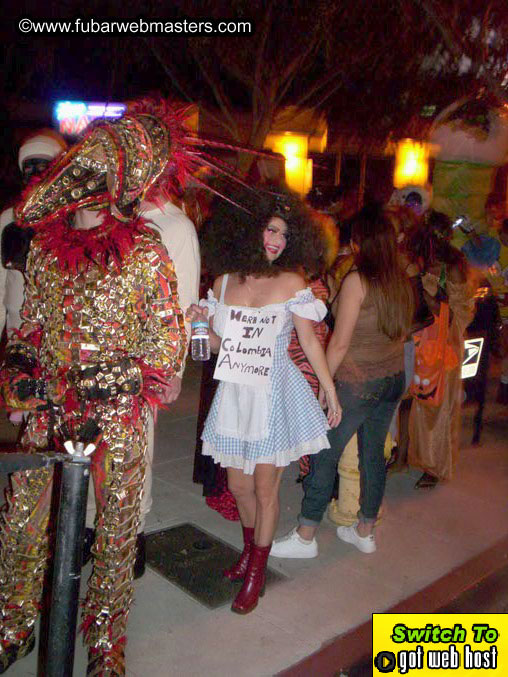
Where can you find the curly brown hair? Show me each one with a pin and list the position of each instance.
(232, 238)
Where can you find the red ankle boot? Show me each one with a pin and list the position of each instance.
(254, 583)
(237, 571)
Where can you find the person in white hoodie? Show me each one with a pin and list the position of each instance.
(35, 154)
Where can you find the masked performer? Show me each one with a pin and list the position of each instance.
(103, 334)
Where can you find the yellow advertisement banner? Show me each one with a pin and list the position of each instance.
(438, 644)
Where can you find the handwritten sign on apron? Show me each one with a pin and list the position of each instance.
(247, 347)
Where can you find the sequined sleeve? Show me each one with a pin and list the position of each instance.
(31, 312)
(164, 338)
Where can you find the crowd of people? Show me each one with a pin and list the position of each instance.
(400, 297)
(361, 318)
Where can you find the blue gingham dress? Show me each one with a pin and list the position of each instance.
(296, 424)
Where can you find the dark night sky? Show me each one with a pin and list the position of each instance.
(42, 69)
(380, 93)
(85, 65)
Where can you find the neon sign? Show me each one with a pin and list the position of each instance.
(74, 116)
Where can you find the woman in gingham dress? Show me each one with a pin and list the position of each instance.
(255, 431)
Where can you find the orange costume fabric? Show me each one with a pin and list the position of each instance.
(434, 431)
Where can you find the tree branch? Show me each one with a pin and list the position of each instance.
(290, 74)
(257, 89)
(220, 96)
(323, 82)
(176, 82)
(458, 49)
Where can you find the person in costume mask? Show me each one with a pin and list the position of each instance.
(102, 337)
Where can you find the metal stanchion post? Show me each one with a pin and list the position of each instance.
(67, 564)
(68, 548)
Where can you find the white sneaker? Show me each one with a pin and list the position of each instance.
(366, 544)
(292, 546)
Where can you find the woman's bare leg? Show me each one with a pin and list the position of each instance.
(243, 489)
(267, 483)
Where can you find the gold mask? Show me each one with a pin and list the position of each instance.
(114, 165)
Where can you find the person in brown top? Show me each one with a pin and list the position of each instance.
(366, 355)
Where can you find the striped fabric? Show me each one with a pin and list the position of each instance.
(298, 357)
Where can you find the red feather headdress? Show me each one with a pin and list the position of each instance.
(118, 163)
(146, 154)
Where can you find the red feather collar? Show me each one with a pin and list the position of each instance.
(75, 250)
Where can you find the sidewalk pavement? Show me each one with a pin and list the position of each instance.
(423, 535)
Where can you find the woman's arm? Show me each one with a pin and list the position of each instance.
(316, 356)
(351, 298)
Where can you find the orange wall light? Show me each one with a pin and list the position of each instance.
(411, 163)
(294, 147)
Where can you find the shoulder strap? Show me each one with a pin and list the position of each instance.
(330, 303)
(223, 287)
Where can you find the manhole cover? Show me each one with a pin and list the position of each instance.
(194, 560)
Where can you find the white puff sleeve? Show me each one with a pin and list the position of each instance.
(305, 304)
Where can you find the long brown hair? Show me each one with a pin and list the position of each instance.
(379, 266)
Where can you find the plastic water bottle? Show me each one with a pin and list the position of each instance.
(200, 341)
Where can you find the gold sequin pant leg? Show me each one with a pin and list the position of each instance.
(23, 552)
(118, 473)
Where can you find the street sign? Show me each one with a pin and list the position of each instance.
(472, 352)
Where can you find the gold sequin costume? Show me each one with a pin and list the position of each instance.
(95, 316)
(103, 332)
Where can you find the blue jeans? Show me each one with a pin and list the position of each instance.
(367, 409)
